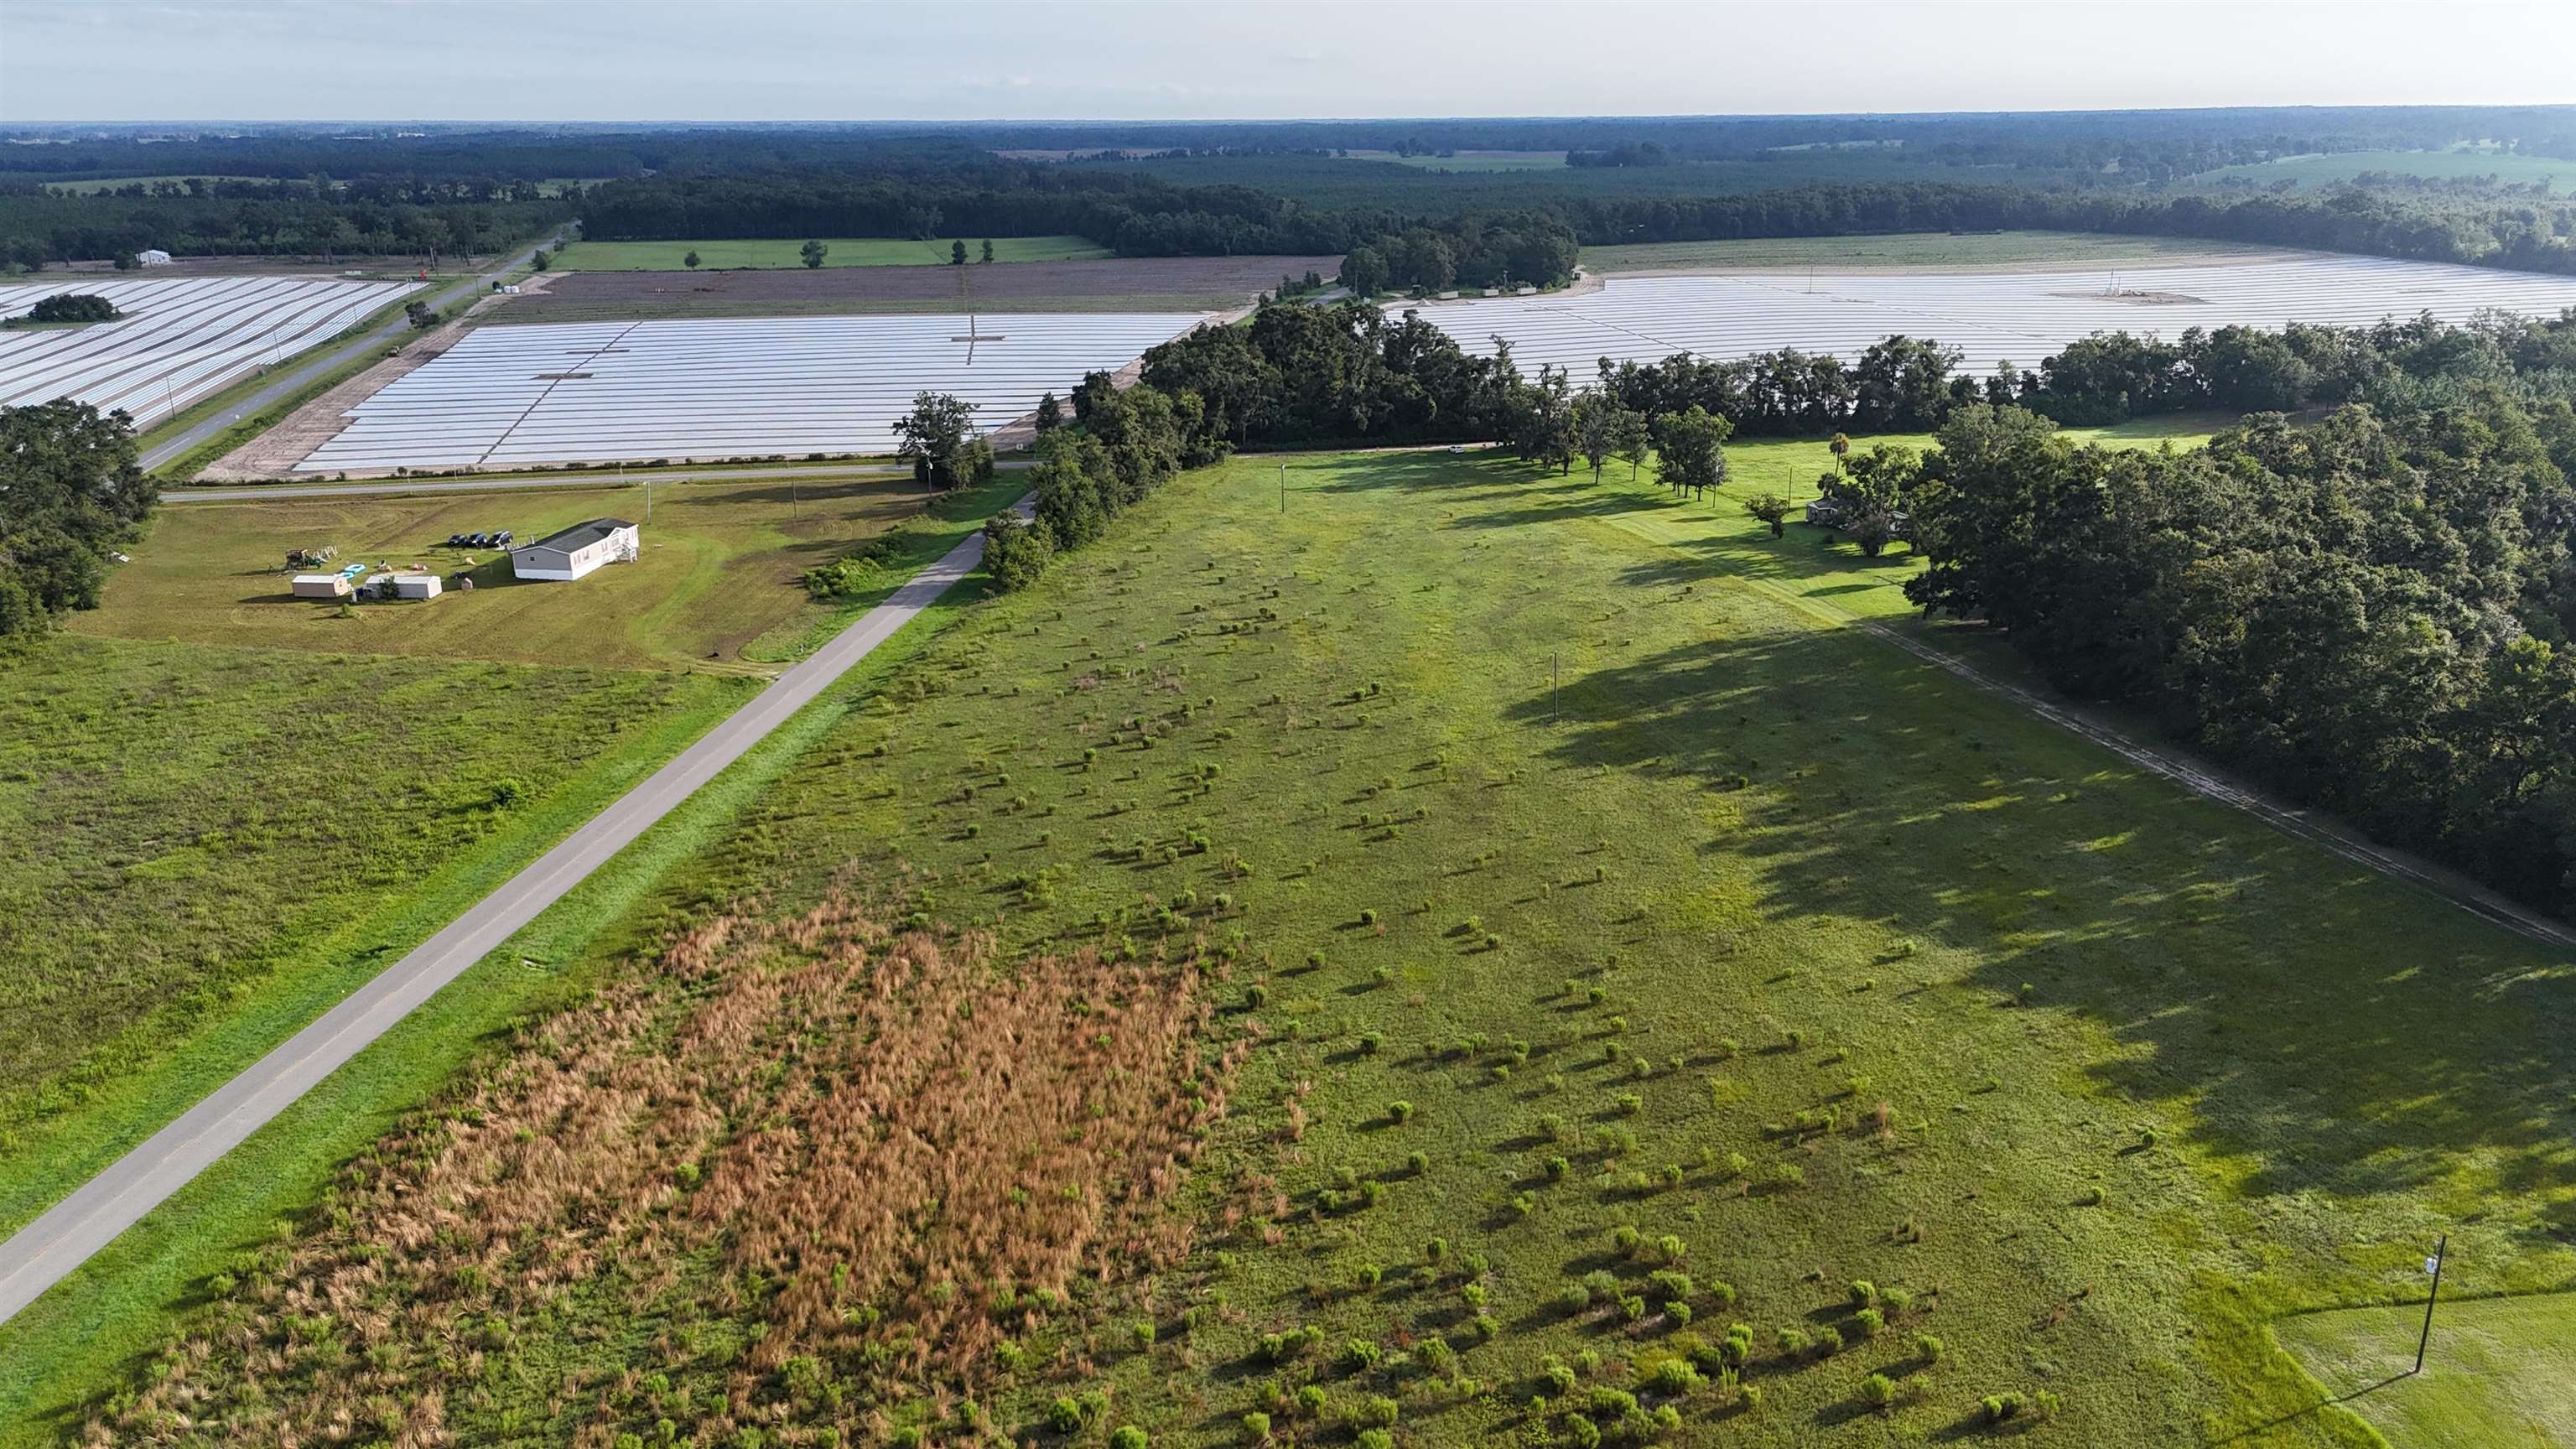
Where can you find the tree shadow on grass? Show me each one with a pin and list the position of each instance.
(2334, 1030)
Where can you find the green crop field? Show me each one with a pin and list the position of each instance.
(2499, 1371)
(1602, 950)
(718, 582)
(619, 256)
(208, 841)
(2437, 165)
(2015, 250)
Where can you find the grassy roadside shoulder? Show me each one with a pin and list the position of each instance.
(54, 1154)
(89, 1336)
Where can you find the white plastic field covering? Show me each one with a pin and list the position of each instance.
(602, 392)
(181, 338)
(2021, 316)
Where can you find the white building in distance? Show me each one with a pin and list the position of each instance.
(576, 551)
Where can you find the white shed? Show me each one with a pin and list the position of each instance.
(578, 550)
(152, 257)
(416, 586)
(320, 586)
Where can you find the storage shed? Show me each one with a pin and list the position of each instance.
(416, 586)
(152, 257)
(577, 551)
(321, 586)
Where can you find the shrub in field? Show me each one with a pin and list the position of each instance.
(1581, 1432)
(1829, 1341)
(1573, 1298)
(1399, 1111)
(1863, 1293)
(1253, 1428)
(1673, 1376)
(1373, 1439)
(1868, 1322)
(1560, 1377)
(1927, 1348)
(1128, 1437)
(1311, 1400)
(1359, 1355)
(1878, 1391)
(1376, 1412)
(1792, 1342)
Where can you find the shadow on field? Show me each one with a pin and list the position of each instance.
(2396, 1033)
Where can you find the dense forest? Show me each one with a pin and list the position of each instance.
(1288, 188)
(409, 216)
(69, 491)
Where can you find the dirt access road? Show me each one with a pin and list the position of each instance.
(48, 1249)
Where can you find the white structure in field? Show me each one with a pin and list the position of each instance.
(578, 550)
(180, 339)
(511, 395)
(152, 257)
(2021, 317)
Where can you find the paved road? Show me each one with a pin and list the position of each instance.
(286, 383)
(274, 492)
(44, 1251)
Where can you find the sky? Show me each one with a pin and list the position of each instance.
(814, 60)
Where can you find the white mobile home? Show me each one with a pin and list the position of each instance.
(577, 550)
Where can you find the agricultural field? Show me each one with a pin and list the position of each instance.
(2498, 1372)
(1432, 977)
(2451, 165)
(699, 388)
(180, 339)
(718, 584)
(865, 251)
(1989, 316)
(210, 843)
(1127, 284)
(2028, 251)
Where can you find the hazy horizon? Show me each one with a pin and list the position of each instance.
(812, 62)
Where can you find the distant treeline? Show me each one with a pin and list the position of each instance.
(2125, 148)
(2531, 233)
(404, 215)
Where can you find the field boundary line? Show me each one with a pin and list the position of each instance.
(93, 1215)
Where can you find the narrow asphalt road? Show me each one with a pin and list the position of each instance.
(46, 1250)
(280, 492)
(285, 384)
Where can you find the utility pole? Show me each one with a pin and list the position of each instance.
(2441, 1251)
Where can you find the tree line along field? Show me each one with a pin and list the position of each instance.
(214, 842)
(713, 255)
(1590, 953)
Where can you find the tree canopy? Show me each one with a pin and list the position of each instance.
(70, 490)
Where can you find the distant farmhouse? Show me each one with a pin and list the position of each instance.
(577, 551)
(152, 257)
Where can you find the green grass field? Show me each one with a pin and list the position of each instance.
(2436, 165)
(2499, 1372)
(97, 1329)
(207, 839)
(1795, 949)
(719, 580)
(600, 256)
(2018, 250)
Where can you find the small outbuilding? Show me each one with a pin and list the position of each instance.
(416, 586)
(321, 586)
(152, 257)
(577, 551)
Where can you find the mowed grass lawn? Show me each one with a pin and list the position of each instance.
(209, 844)
(1757, 935)
(720, 572)
(2019, 250)
(2499, 1371)
(865, 251)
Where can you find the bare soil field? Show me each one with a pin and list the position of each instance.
(1129, 284)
